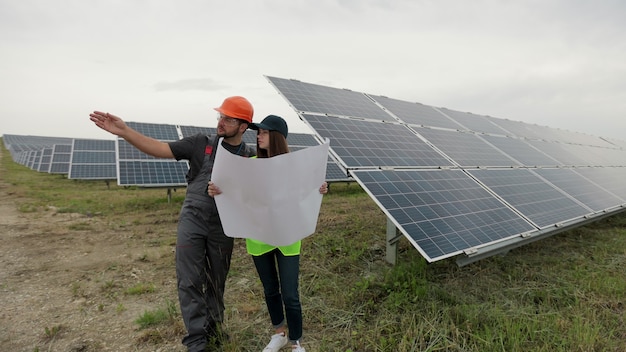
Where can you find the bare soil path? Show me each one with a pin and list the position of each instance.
(62, 282)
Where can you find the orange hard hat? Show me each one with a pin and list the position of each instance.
(237, 107)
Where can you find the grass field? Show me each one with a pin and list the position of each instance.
(564, 293)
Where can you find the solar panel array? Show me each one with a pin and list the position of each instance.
(139, 169)
(97, 159)
(457, 183)
(38, 152)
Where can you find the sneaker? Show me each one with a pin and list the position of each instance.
(277, 342)
(297, 347)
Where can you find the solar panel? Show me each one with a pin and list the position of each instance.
(306, 97)
(466, 149)
(580, 138)
(616, 142)
(334, 172)
(561, 152)
(140, 169)
(611, 179)
(540, 202)
(580, 188)
(46, 158)
(35, 160)
(162, 132)
(520, 151)
(416, 113)
(476, 123)
(93, 159)
(32, 154)
(543, 179)
(249, 137)
(301, 139)
(359, 143)
(135, 168)
(24, 149)
(157, 173)
(61, 154)
(517, 128)
(193, 130)
(613, 156)
(442, 212)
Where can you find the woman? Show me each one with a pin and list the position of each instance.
(278, 267)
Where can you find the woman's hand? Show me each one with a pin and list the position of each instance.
(213, 190)
(323, 188)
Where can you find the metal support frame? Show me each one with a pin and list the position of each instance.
(391, 242)
(507, 245)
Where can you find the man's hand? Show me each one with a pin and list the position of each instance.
(108, 122)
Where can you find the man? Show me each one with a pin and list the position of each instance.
(203, 251)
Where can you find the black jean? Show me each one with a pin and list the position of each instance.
(279, 276)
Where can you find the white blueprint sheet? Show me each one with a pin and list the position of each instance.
(275, 200)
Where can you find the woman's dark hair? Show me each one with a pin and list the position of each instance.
(277, 145)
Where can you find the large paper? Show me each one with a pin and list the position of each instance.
(275, 200)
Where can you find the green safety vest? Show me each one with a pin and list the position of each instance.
(256, 247)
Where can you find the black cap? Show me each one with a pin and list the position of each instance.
(271, 123)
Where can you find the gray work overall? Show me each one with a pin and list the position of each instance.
(203, 254)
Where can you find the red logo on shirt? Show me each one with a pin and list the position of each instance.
(208, 150)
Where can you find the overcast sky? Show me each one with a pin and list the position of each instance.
(558, 63)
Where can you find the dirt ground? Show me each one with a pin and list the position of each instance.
(62, 287)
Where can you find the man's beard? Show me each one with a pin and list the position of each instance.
(226, 135)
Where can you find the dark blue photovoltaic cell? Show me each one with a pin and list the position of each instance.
(466, 149)
(307, 97)
(580, 188)
(531, 196)
(442, 212)
(416, 114)
(359, 143)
